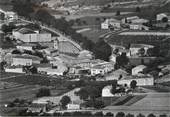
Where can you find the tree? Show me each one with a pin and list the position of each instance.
(83, 93)
(16, 52)
(33, 70)
(98, 114)
(138, 9)
(64, 101)
(165, 20)
(133, 84)
(102, 50)
(7, 28)
(129, 115)
(43, 92)
(109, 114)
(151, 115)
(120, 114)
(164, 115)
(117, 13)
(113, 90)
(122, 60)
(140, 115)
(141, 52)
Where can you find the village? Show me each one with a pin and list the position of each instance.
(63, 77)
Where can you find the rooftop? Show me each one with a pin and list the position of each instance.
(26, 56)
(25, 31)
(140, 46)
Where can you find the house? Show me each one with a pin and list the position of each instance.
(37, 108)
(139, 21)
(111, 23)
(26, 46)
(129, 19)
(136, 26)
(134, 48)
(136, 60)
(28, 35)
(138, 69)
(97, 70)
(102, 68)
(79, 71)
(25, 59)
(58, 70)
(106, 91)
(14, 69)
(141, 80)
(51, 51)
(160, 16)
(116, 75)
(9, 15)
(73, 106)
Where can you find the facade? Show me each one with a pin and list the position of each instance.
(136, 70)
(136, 26)
(29, 47)
(73, 106)
(25, 59)
(129, 19)
(21, 61)
(28, 35)
(116, 75)
(110, 23)
(141, 81)
(134, 48)
(14, 70)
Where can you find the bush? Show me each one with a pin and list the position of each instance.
(98, 114)
(151, 115)
(129, 115)
(65, 100)
(120, 114)
(66, 114)
(140, 115)
(43, 92)
(109, 114)
(163, 115)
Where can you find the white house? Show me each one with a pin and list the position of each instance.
(129, 19)
(136, 26)
(141, 81)
(106, 91)
(97, 70)
(136, 70)
(26, 46)
(28, 35)
(11, 15)
(25, 60)
(134, 48)
(14, 69)
(111, 22)
(73, 106)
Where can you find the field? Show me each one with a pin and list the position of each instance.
(26, 86)
(94, 34)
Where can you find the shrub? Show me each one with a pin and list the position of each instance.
(98, 114)
(109, 114)
(120, 114)
(151, 115)
(43, 92)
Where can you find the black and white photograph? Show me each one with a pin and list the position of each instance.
(85, 58)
